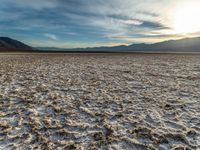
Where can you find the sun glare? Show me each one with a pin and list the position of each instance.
(187, 18)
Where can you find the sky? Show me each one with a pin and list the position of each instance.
(90, 23)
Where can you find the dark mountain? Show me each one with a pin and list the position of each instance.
(10, 45)
(182, 45)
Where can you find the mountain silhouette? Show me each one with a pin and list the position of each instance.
(182, 45)
(9, 45)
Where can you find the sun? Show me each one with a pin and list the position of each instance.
(187, 18)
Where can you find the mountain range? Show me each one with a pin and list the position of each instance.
(182, 45)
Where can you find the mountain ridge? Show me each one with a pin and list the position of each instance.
(8, 44)
(182, 45)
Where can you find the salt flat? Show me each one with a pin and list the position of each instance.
(100, 101)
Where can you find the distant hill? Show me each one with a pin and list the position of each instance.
(182, 45)
(10, 45)
(51, 49)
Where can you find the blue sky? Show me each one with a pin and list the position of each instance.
(88, 23)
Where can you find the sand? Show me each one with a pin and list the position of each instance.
(100, 101)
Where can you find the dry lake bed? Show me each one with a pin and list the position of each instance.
(100, 101)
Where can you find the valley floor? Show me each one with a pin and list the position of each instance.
(100, 101)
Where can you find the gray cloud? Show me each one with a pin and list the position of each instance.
(100, 20)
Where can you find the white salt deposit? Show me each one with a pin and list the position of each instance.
(100, 101)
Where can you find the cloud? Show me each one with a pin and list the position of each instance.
(36, 4)
(131, 22)
(102, 21)
(51, 36)
(153, 25)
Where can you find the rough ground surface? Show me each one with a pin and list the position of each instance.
(100, 101)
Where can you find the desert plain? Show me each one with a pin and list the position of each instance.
(100, 101)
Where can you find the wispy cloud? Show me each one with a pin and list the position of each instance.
(51, 36)
(102, 21)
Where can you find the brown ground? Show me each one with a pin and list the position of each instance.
(100, 101)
